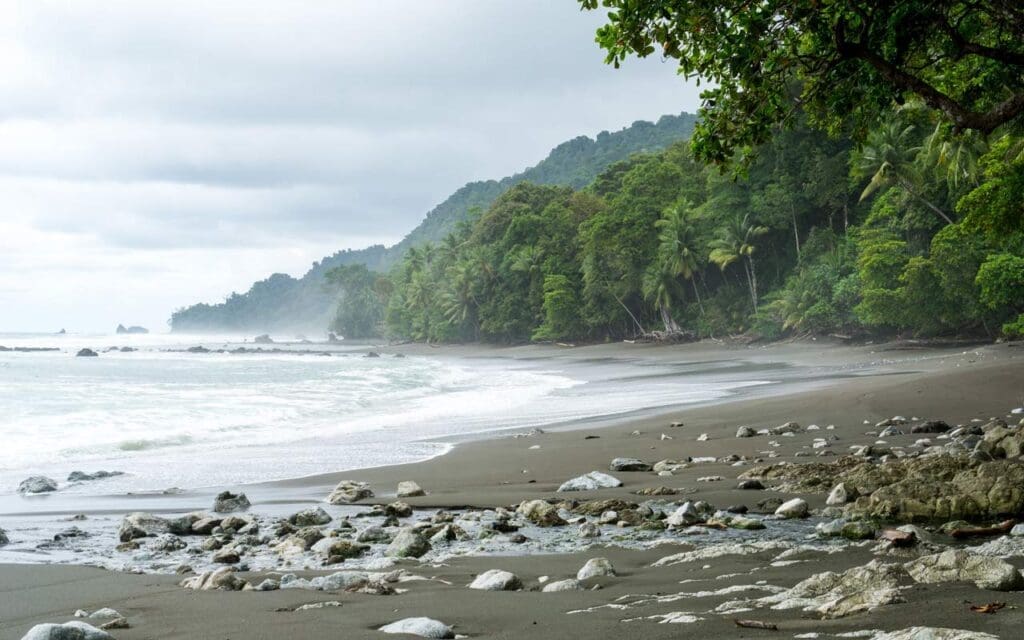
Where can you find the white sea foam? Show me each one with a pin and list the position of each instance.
(170, 418)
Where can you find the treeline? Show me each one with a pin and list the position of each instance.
(918, 231)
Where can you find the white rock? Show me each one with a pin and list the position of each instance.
(497, 580)
(74, 630)
(591, 482)
(795, 508)
(422, 627)
(933, 633)
(562, 585)
(703, 437)
(838, 496)
(1017, 530)
(596, 567)
(409, 489)
(105, 612)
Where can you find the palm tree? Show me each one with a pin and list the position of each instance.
(659, 286)
(955, 157)
(736, 242)
(458, 302)
(888, 157)
(677, 247)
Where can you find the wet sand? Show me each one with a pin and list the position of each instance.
(953, 385)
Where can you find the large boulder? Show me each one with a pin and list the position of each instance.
(690, 513)
(142, 525)
(559, 586)
(933, 633)
(310, 517)
(409, 489)
(223, 579)
(497, 580)
(959, 565)
(594, 568)
(407, 544)
(422, 627)
(349, 491)
(37, 484)
(74, 630)
(836, 595)
(540, 513)
(795, 508)
(227, 502)
(629, 464)
(591, 482)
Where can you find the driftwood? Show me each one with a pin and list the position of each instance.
(991, 607)
(974, 532)
(756, 624)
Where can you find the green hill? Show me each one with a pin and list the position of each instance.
(284, 303)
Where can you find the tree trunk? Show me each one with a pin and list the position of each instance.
(623, 305)
(752, 278)
(796, 233)
(696, 292)
(909, 188)
(667, 320)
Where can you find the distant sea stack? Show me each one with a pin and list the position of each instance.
(121, 329)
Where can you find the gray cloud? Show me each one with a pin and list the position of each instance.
(244, 126)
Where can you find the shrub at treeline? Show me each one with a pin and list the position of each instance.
(916, 232)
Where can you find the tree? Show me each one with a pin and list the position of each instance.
(678, 247)
(888, 157)
(842, 62)
(736, 242)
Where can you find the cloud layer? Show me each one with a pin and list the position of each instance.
(157, 154)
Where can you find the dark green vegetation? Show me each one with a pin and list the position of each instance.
(877, 188)
(282, 302)
(916, 232)
(848, 62)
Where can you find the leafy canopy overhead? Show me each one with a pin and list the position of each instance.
(845, 63)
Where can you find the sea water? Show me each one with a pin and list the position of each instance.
(169, 418)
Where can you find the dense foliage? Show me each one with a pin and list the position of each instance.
(283, 303)
(917, 232)
(848, 62)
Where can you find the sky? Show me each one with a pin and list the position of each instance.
(158, 154)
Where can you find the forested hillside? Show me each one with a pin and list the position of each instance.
(918, 231)
(306, 304)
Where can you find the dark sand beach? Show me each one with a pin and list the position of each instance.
(858, 387)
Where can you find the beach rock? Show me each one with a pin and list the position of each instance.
(340, 550)
(409, 489)
(310, 517)
(930, 426)
(836, 595)
(959, 565)
(783, 429)
(3, 538)
(496, 580)
(86, 353)
(407, 544)
(595, 568)
(858, 530)
(933, 633)
(750, 485)
(589, 530)
(81, 476)
(795, 508)
(349, 491)
(227, 502)
(205, 526)
(746, 432)
(168, 542)
(830, 528)
(223, 579)
(749, 524)
(838, 496)
(74, 630)
(263, 339)
(373, 533)
(422, 627)
(690, 513)
(268, 584)
(629, 464)
(397, 509)
(540, 513)
(37, 484)
(226, 556)
(106, 613)
(141, 525)
(591, 482)
(560, 586)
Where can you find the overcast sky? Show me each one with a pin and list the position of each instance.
(157, 154)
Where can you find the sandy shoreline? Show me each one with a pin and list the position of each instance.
(955, 385)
